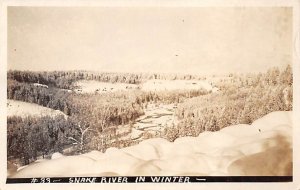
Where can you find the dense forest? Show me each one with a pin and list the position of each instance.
(241, 100)
(92, 118)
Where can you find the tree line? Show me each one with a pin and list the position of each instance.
(66, 79)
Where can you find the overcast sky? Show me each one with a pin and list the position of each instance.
(190, 40)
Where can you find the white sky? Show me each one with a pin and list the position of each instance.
(189, 40)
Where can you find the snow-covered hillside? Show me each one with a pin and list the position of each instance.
(24, 109)
(261, 149)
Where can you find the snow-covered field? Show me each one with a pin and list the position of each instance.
(24, 109)
(261, 149)
(91, 86)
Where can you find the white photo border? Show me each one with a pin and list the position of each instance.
(295, 4)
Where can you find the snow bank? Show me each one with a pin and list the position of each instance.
(24, 109)
(263, 148)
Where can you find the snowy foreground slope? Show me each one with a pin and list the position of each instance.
(263, 148)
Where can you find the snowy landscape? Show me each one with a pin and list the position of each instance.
(149, 91)
(159, 127)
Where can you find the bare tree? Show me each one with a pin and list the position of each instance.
(83, 130)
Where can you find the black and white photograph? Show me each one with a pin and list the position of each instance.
(156, 94)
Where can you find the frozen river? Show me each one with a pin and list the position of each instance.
(155, 120)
